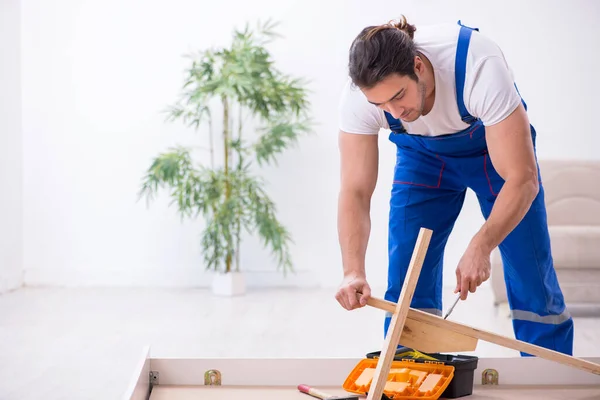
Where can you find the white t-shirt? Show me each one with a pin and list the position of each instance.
(489, 91)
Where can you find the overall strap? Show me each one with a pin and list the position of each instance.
(460, 66)
(395, 124)
(522, 100)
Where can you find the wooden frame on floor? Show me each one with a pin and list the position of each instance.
(159, 375)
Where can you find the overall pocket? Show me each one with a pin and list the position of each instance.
(418, 169)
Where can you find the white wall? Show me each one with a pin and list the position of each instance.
(11, 149)
(95, 76)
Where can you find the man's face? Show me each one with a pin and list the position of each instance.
(401, 96)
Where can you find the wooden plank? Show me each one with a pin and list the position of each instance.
(490, 337)
(399, 315)
(139, 385)
(260, 391)
(426, 337)
(324, 372)
(433, 339)
(266, 392)
(316, 372)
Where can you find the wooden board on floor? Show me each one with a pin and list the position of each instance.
(291, 393)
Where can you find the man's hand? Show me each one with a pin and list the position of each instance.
(473, 269)
(347, 292)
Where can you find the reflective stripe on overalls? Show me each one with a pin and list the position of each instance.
(431, 176)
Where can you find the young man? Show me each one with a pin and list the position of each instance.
(448, 97)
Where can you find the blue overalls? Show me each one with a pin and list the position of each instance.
(431, 176)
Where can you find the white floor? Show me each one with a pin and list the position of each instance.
(84, 343)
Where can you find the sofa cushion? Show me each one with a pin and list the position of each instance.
(572, 195)
(575, 246)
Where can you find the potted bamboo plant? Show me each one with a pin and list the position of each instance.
(261, 112)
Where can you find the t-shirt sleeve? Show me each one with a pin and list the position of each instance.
(493, 95)
(357, 115)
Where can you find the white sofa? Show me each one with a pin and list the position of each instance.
(572, 190)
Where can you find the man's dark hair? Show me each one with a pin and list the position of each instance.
(379, 51)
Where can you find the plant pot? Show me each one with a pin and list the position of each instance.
(228, 284)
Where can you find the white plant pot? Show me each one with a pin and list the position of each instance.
(228, 284)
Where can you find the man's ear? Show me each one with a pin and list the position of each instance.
(419, 66)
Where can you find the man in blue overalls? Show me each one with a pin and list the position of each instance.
(456, 117)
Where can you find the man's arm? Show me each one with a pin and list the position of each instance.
(491, 96)
(511, 151)
(359, 156)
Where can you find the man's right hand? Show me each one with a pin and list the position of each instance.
(347, 292)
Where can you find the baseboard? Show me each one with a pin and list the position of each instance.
(175, 278)
(11, 281)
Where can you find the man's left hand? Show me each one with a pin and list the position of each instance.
(473, 269)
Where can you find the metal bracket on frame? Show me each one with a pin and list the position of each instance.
(212, 377)
(489, 377)
(153, 378)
